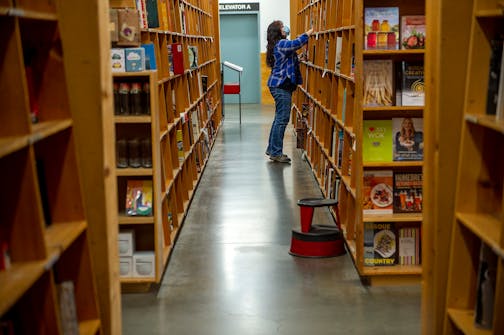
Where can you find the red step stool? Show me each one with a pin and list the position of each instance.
(316, 240)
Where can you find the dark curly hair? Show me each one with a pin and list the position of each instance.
(274, 35)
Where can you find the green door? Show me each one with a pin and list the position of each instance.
(239, 34)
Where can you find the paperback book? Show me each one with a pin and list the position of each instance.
(381, 27)
(412, 84)
(409, 246)
(377, 192)
(139, 198)
(380, 244)
(408, 196)
(378, 83)
(408, 139)
(413, 32)
(377, 141)
(485, 294)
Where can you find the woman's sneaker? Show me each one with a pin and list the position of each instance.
(281, 159)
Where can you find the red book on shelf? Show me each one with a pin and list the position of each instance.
(178, 58)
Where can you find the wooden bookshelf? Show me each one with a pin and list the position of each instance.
(46, 226)
(332, 96)
(464, 160)
(183, 122)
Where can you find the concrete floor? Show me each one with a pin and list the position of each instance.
(231, 273)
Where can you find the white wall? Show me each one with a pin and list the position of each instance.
(269, 11)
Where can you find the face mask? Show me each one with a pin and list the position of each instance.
(286, 30)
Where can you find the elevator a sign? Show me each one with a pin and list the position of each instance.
(239, 7)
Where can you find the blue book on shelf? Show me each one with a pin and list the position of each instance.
(150, 56)
(152, 13)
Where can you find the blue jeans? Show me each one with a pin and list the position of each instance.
(283, 103)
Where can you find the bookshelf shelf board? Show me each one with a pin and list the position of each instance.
(47, 128)
(166, 253)
(133, 74)
(393, 108)
(409, 270)
(384, 165)
(393, 52)
(490, 13)
(132, 280)
(122, 4)
(16, 281)
(128, 220)
(61, 235)
(486, 227)
(133, 119)
(464, 320)
(399, 217)
(351, 247)
(488, 121)
(134, 172)
(173, 124)
(28, 14)
(347, 182)
(12, 144)
(89, 327)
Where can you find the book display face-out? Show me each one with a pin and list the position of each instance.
(362, 104)
(164, 129)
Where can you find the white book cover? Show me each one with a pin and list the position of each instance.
(339, 43)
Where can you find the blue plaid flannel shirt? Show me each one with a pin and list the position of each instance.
(286, 62)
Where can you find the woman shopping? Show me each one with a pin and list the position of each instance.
(282, 58)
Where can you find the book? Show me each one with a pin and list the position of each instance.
(377, 192)
(380, 244)
(135, 59)
(408, 196)
(163, 14)
(180, 145)
(113, 25)
(139, 198)
(378, 83)
(381, 27)
(177, 56)
(409, 246)
(129, 27)
(117, 60)
(67, 308)
(142, 11)
(485, 292)
(493, 75)
(377, 141)
(412, 84)
(182, 15)
(413, 32)
(341, 142)
(407, 139)
(192, 52)
(339, 44)
(152, 13)
(150, 56)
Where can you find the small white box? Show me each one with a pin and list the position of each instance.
(126, 267)
(144, 264)
(126, 243)
(117, 60)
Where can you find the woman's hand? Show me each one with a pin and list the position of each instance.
(309, 31)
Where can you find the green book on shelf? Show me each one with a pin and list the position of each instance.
(377, 141)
